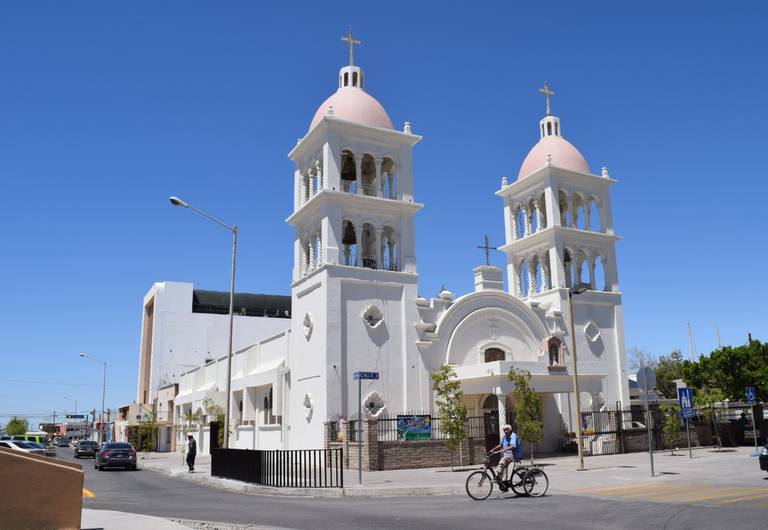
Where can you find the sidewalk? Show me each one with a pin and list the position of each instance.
(731, 467)
(107, 519)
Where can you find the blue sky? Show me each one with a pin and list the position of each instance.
(106, 109)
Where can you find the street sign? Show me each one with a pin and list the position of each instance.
(75, 416)
(360, 376)
(751, 395)
(685, 397)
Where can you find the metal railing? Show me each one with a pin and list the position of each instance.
(302, 468)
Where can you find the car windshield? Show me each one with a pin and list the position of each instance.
(118, 446)
(25, 445)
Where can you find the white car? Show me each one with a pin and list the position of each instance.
(26, 447)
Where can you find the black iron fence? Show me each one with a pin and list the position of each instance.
(303, 468)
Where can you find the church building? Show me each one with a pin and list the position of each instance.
(355, 305)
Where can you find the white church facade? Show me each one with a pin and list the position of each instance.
(355, 303)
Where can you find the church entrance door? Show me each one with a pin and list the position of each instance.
(491, 425)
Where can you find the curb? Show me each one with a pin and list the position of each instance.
(354, 491)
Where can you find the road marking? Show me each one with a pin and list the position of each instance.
(88, 493)
(747, 498)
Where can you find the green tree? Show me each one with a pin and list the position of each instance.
(450, 407)
(16, 426)
(528, 426)
(217, 411)
(732, 370)
(637, 358)
(667, 369)
(148, 431)
(670, 428)
(709, 398)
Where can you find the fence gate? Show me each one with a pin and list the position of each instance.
(612, 432)
(214, 434)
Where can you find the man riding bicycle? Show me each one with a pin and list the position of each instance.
(510, 448)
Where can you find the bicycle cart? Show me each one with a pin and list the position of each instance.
(523, 480)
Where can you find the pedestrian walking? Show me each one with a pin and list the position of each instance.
(191, 453)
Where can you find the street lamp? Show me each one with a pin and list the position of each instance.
(175, 201)
(103, 393)
(72, 399)
(579, 289)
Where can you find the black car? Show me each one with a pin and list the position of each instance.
(115, 454)
(764, 458)
(86, 448)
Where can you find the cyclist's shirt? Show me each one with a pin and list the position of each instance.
(511, 445)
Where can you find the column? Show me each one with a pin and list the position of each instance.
(319, 256)
(587, 224)
(347, 252)
(311, 254)
(377, 179)
(539, 216)
(383, 184)
(391, 251)
(359, 239)
(359, 174)
(513, 222)
(502, 401)
(319, 172)
(391, 183)
(574, 211)
(311, 177)
(527, 211)
(531, 277)
(546, 279)
(377, 245)
(303, 188)
(591, 261)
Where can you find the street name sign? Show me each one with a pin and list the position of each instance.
(360, 376)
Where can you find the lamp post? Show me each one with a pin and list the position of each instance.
(72, 399)
(103, 394)
(175, 201)
(579, 289)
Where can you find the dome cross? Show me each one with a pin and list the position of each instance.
(351, 41)
(547, 93)
(487, 248)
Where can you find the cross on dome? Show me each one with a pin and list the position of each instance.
(544, 90)
(351, 41)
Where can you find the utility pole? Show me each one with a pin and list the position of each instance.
(717, 329)
(690, 341)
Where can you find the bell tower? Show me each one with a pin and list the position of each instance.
(559, 233)
(354, 274)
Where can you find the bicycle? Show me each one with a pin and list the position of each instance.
(524, 480)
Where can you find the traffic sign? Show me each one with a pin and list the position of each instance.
(751, 395)
(685, 397)
(359, 376)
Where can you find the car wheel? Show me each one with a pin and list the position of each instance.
(101, 468)
(132, 468)
(76, 456)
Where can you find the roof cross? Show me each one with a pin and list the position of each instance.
(487, 248)
(547, 93)
(351, 41)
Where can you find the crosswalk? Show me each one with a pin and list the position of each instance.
(679, 492)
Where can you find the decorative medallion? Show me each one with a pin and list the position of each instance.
(373, 316)
(592, 331)
(309, 407)
(308, 324)
(374, 405)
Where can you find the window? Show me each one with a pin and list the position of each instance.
(494, 354)
(269, 417)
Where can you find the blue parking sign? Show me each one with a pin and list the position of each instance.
(685, 397)
(751, 395)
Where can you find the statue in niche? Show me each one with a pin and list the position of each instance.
(554, 347)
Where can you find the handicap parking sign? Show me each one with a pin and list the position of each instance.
(751, 394)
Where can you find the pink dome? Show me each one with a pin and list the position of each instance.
(564, 155)
(353, 104)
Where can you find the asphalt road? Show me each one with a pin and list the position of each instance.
(151, 493)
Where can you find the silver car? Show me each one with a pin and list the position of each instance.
(25, 447)
(49, 449)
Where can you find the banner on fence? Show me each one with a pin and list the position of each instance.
(414, 427)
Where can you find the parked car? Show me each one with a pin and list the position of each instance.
(86, 448)
(18, 445)
(49, 449)
(61, 442)
(115, 454)
(764, 458)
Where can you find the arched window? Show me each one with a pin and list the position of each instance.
(600, 283)
(389, 249)
(549, 128)
(346, 79)
(578, 213)
(349, 243)
(594, 216)
(583, 269)
(568, 265)
(565, 211)
(520, 223)
(354, 79)
(522, 274)
(494, 354)
(348, 172)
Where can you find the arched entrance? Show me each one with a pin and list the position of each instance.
(492, 428)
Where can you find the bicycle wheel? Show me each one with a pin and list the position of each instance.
(518, 481)
(479, 485)
(536, 482)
